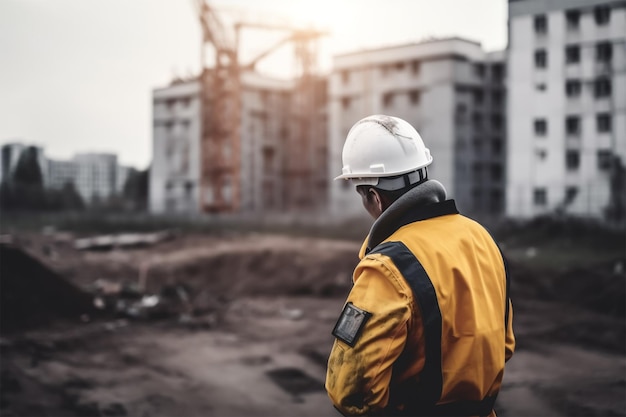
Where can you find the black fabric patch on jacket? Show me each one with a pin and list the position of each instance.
(350, 324)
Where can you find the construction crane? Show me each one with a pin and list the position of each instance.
(220, 108)
(220, 183)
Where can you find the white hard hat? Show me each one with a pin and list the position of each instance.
(380, 146)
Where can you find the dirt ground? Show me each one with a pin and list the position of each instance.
(247, 333)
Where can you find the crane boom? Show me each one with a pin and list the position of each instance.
(220, 154)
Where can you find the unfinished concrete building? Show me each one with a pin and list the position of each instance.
(283, 168)
(175, 167)
(567, 89)
(273, 175)
(452, 91)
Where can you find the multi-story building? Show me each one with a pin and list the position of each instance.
(61, 173)
(10, 156)
(567, 107)
(92, 175)
(11, 153)
(123, 172)
(265, 127)
(175, 169)
(95, 176)
(452, 91)
(270, 178)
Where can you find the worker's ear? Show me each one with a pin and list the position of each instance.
(373, 197)
(376, 202)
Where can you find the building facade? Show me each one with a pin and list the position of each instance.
(96, 176)
(175, 169)
(567, 107)
(270, 176)
(10, 156)
(61, 173)
(8, 161)
(265, 129)
(451, 91)
(122, 175)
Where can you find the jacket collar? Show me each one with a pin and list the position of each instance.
(425, 201)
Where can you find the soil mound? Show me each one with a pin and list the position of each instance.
(601, 288)
(258, 266)
(598, 288)
(31, 294)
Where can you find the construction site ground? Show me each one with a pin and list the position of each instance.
(249, 329)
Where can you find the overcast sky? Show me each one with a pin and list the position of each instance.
(77, 75)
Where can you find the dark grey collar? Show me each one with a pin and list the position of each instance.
(419, 203)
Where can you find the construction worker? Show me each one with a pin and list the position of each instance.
(427, 326)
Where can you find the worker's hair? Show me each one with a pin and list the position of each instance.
(388, 197)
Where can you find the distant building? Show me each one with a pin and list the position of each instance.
(265, 130)
(271, 176)
(175, 168)
(567, 101)
(61, 173)
(123, 172)
(451, 91)
(10, 156)
(284, 169)
(96, 176)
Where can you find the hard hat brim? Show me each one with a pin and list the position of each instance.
(373, 181)
(352, 176)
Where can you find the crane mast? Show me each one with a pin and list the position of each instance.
(220, 117)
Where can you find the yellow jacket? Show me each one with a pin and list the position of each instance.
(434, 298)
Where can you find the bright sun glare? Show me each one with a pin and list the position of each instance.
(323, 15)
(320, 14)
